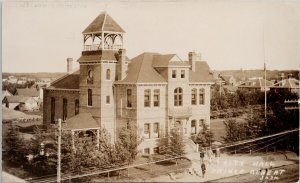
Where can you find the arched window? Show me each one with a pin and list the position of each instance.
(108, 74)
(201, 96)
(194, 96)
(178, 97)
(90, 100)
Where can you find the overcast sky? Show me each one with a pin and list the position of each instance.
(39, 36)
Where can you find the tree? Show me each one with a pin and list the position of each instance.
(234, 131)
(127, 143)
(176, 144)
(204, 137)
(15, 147)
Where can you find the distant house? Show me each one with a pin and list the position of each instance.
(290, 84)
(228, 80)
(28, 92)
(256, 84)
(20, 82)
(20, 103)
(5, 93)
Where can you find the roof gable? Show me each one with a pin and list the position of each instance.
(28, 92)
(81, 121)
(168, 60)
(103, 22)
(67, 81)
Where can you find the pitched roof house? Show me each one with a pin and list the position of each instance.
(256, 84)
(20, 103)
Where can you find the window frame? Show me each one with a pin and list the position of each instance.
(65, 109)
(76, 106)
(147, 98)
(201, 96)
(182, 74)
(52, 116)
(90, 98)
(108, 73)
(107, 99)
(178, 97)
(129, 98)
(146, 135)
(156, 134)
(156, 94)
(193, 127)
(174, 73)
(194, 93)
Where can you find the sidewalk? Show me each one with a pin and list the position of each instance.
(229, 165)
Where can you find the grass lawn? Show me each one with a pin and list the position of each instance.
(218, 128)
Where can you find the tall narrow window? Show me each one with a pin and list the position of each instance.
(107, 99)
(108, 74)
(76, 106)
(156, 130)
(178, 97)
(173, 73)
(201, 96)
(52, 110)
(129, 98)
(147, 94)
(156, 98)
(182, 74)
(147, 130)
(193, 126)
(90, 97)
(193, 96)
(65, 109)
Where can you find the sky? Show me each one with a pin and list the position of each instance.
(38, 36)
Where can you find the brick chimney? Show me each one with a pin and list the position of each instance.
(192, 60)
(69, 65)
(121, 66)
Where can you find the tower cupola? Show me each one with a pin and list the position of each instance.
(103, 34)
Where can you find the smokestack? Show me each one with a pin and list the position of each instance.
(192, 60)
(69, 65)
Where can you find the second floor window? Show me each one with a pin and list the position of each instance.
(129, 98)
(156, 130)
(147, 94)
(65, 109)
(193, 96)
(108, 74)
(201, 96)
(90, 97)
(178, 97)
(156, 98)
(107, 99)
(182, 75)
(173, 73)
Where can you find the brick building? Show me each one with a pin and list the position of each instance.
(153, 91)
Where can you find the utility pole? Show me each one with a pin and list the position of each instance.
(265, 69)
(59, 152)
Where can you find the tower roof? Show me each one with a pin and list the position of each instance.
(103, 22)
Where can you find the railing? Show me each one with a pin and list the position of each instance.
(98, 47)
(180, 112)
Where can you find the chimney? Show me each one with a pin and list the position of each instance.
(121, 66)
(69, 65)
(192, 60)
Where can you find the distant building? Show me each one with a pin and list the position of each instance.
(153, 91)
(228, 80)
(256, 84)
(28, 92)
(5, 93)
(289, 84)
(20, 103)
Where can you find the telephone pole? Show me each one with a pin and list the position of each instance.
(59, 152)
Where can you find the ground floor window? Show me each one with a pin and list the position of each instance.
(147, 151)
(155, 150)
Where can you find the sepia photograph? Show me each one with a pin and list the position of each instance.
(150, 91)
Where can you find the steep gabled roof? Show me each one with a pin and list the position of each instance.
(202, 73)
(103, 22)
(28, 92)
(68, 81)
(140, 70)
(226, 78)
(168, 60)
(81, 121)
